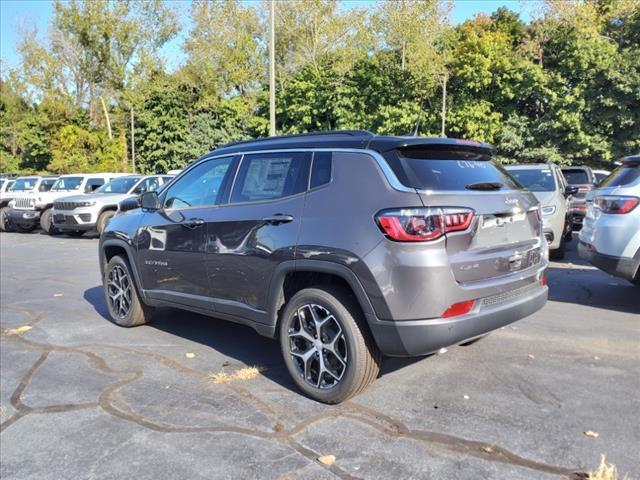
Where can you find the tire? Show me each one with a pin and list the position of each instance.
(558, 253)
(133, 312)
(103, 220)
(353, 361)
(46, 222)
(5, 223)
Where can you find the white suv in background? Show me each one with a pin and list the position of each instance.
(610, 236)
(36, 207)
(80, 213)
(26, 187)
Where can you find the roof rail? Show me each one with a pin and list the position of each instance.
(327, 133)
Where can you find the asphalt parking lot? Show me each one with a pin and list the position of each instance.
(82, 398)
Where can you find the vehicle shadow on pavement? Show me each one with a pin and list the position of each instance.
(239, 342)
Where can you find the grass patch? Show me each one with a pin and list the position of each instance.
(248, 373)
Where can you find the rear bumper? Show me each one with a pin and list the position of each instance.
(618, 266)
(421, 337)
(26, 218)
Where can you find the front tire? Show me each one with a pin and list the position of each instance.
(46, 222)
(103, 220)
(326, 344)
(5, 222)
(125, 306)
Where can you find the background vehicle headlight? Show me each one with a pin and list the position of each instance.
(550, 210)
(88, 203)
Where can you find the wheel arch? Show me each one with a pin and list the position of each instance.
(294, 275)
(110, 248)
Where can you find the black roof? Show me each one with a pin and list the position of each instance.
(632, 159)
(356, 139)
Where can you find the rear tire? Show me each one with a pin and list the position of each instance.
(5, 223)
(326, 344)
(103, 220)
(124, 304)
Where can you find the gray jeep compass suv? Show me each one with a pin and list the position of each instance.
(342, 245)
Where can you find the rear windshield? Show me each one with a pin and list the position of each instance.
(576, 177)
(534, 179)
(447, 169)
(624, 175)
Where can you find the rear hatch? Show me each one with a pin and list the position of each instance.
(505, 236)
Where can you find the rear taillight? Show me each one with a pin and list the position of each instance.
(459, 309)
(616, 204)
(423, 224)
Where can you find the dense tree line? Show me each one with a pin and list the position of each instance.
(564, 87)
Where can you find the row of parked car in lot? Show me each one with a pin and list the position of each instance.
(345, 246)
(72, 204)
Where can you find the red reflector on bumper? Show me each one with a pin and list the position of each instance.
(543, 280)
(458, 309)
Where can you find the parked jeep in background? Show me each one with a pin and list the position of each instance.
(35, 208)
(549, 186)
(26, 187)
(583, 178)
(80, 213)
(343, 245)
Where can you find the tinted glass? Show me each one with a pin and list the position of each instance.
(46, 184)
(67, 183)
(440, 169)
(267, 176)
(535, 180)
(23, 184)
(625, 175)
(600, 176)
(576, 177)
(199, 186)
(93, 184)
(320, 169)
(118, 185)
(147, 185)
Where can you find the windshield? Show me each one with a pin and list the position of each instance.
(23, 184)
(119, 185)
(576, 177)
(624, 175)
(534, 179)
(67, 183)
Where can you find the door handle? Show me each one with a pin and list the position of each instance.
(278, 219)
(193, 223)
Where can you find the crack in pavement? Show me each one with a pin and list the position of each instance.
(110, 401)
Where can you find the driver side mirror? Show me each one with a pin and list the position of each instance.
(150, 201)
(569, 190)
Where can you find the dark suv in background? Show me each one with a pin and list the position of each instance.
(343, 245)
(584, 180)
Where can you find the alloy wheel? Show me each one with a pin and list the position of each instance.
(317, 346)
(119, 291)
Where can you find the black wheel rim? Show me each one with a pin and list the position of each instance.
(317, 346)
(119, 291)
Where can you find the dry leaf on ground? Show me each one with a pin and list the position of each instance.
(327, 459)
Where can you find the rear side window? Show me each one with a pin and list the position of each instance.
(93, 184)
(625, 175)
(268, 176)
(447, 168)
(576, 176)
(46, 184)
(320, 169)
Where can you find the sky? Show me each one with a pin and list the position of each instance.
(15, 15)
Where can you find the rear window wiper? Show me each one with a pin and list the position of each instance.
(484, 186)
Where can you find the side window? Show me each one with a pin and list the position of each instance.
(320, 169)
(46, 185)
(147, 185)
(202, 185)
(268, 176)
(93, 184)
